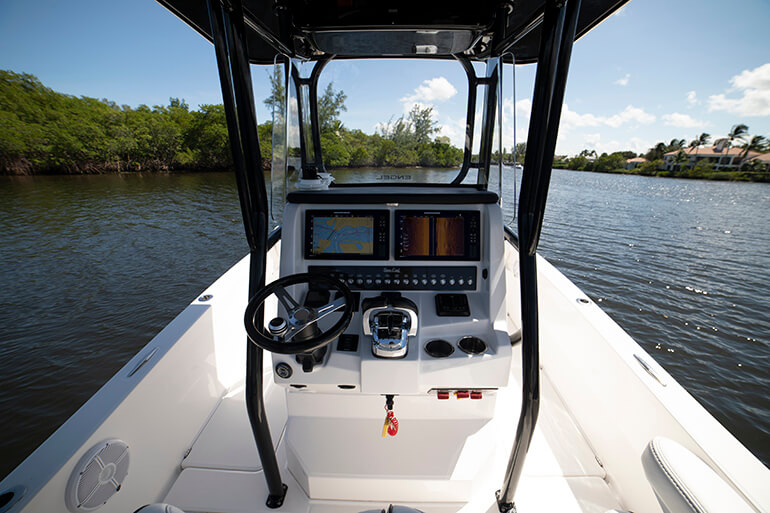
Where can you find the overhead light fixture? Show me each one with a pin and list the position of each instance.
(425, 49)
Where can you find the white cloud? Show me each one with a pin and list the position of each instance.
(682, 121)
(628, 115)
(524, 107)
(754, 85)
(594, 142)
(623, 81)
(631, 114)
(638, 145)
(455, 130)
(571, 119)
(692, 98)
(593, 139)
(435, 89)
(757, 78)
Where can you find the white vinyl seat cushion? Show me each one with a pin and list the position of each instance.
(684, 483)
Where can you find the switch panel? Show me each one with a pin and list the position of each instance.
(402, 277)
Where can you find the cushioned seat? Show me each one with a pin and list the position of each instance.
(684, 483)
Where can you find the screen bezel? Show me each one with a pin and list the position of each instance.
(380, 225)
(472, 238)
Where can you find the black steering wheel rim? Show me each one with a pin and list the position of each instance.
(276, 344)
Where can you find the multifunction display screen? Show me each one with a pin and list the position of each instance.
(346, 234)
(439, 235)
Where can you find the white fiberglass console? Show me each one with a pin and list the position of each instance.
(426, 270)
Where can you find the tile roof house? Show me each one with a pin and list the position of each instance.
(729, 159)
(635, 162)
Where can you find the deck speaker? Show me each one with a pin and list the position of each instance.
(97, 476)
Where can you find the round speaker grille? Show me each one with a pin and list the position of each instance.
(98, 476)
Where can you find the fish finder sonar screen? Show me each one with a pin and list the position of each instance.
(450, 236)
(437, 235)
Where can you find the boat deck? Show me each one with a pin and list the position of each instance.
(222, 472)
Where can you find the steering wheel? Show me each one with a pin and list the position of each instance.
(283, 331)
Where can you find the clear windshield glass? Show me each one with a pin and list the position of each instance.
(386, 122)
(393, 121)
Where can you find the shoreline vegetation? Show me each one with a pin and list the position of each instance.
(43, 132)
(703, 172)
(726, 160)
(46, 132)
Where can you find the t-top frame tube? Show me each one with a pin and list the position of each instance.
(227, 23)
(557, 35)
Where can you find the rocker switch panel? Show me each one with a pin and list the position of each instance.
(452, 305)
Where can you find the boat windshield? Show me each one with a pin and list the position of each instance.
(388, 122)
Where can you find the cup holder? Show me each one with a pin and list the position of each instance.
(439, 348)
(472, 345)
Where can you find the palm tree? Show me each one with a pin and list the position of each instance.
(739, 131)
(701, 140)
(676, 144)
(757, 143)
(681, 159)
(657, 152)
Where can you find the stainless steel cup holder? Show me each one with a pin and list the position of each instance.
(472, 345)
(439, 348)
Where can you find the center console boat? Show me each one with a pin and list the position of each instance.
(390, 347)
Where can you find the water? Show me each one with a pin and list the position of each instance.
(93, 267)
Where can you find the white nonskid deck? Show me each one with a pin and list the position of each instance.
(222, 472)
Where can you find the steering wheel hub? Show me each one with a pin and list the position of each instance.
(302, 315)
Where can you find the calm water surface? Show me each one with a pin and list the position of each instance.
(93, 267)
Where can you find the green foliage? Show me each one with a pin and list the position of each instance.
(754, 165)
(207, 136)
(578, 163)
(330, 104)
(650, 168)
(407, 142)
(277, 95)
(335, 151)
(757, 143)
(521, 151)
(42, 131)
(606, 163)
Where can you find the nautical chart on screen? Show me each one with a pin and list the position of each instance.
(343, 235)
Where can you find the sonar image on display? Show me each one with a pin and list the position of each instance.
(415, 238)
(341, 235)
(450, 236)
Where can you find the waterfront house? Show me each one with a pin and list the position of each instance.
(721, 158)
(635, 162)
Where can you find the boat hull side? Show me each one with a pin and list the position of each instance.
(618, 404)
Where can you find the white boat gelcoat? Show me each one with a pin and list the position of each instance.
(183, 416)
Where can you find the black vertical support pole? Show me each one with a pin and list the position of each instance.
(473, 88)
(228, 32)
(314, 123)
(557, 35)
(554, 116)
(488, 126)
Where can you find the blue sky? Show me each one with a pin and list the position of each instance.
(657, 70)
